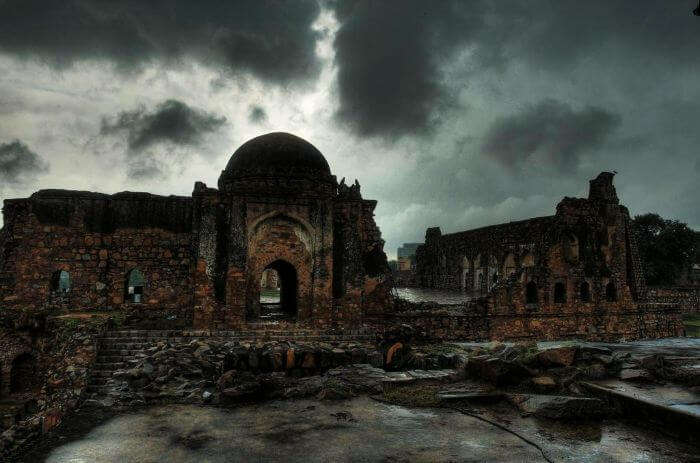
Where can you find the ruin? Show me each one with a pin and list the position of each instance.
(198, 261)
(574, 274)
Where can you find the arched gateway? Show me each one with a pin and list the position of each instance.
(279, 207)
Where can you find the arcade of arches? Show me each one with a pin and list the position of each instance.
(573, 274)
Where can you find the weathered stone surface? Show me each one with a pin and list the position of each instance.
(496, 371)
(544, 383)
(575, 274)
(558, 356)
(635, 375)
(559, 407)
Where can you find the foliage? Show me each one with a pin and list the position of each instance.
(667, 248)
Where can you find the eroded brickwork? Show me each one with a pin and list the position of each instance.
(574, 274)
(199, 260)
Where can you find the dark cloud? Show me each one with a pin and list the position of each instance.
(388, 55)
(548, 133)
(157, 138)
(257, 114)
(170, 122)
(272, 40)
(391, 55)
(19, 164)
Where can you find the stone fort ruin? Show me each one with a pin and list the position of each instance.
(198, 260)
(573, 274)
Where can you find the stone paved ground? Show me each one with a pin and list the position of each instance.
(359, 429)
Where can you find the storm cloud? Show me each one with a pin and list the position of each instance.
(273, 41)
(388, 56)
(19, 164)
(171, 123)
(548, 133)
(257, 114)
(392, 55)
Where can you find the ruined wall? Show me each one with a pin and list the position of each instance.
(361, 271)
(574, 274)
(685, 297)
(98, 239)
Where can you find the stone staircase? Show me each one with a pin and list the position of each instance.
(116, 348)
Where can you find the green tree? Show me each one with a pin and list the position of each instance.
(667, 248)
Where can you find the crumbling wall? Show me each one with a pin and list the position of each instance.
(574, 274)
(98, 239)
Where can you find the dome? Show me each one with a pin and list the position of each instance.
(276, 154)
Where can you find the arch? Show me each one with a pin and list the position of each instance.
(465, 271)
(135, 286)
(610, 292)
(528, 260)
(584, 292)
(287, 305)
(571, 247)
(306, 230)
(60, 281)
(531, 296)
(22, 373)
(560, 292)
(509, 265)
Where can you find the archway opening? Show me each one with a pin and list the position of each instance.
(611, 292)
(22, 374)
(270, 287)
(279, 302)
(531, 293)
(559, 293)
(585, 292)
(135, 284)
(60, 282)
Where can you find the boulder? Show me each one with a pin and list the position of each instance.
(496, 371)
(557, 357)
(544, 383)
(558, 407)
(334, 389)
(635, 376)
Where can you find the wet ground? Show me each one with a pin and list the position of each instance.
(678, 347)
(438, 296)
(360, 429)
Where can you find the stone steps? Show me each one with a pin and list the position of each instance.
(116, 348)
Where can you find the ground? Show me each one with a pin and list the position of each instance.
(360, 429)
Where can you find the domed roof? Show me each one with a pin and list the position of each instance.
(278, 154)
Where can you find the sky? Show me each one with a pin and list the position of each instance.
(456, 114)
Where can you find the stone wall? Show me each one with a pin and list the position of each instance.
(574, 274)
(98, 239)
(685, 297)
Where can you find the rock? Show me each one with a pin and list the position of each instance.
(595, 371)
(544, 383)
(290, 359)
(333, 389)
(227, 379)
(688, 375)
(147, 368)
(635, 376)
(496, 371)
(392, 351)
(558, 407)
(309, 361)
(558, 357)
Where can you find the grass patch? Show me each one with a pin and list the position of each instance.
(692, 325)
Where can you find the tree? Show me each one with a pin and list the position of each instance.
(667, 247)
